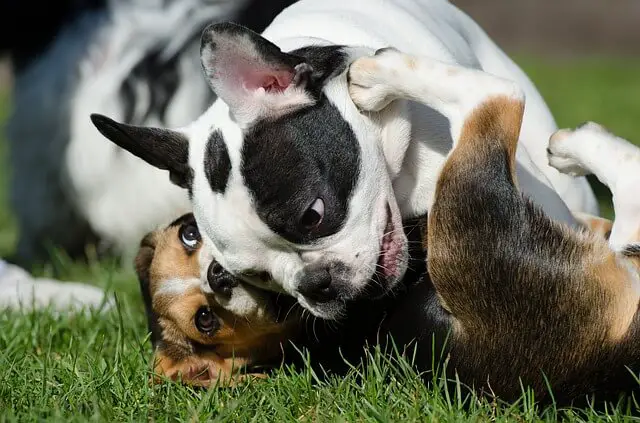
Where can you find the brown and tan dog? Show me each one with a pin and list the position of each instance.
(529, 301)
(208, 327)
(197, 334)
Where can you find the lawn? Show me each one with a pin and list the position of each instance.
(96, 367)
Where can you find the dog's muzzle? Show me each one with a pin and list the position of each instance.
(324, 282)
(220, 281)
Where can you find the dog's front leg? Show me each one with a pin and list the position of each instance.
(591, 149)
(452, 90)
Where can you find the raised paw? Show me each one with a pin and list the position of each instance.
(373, 80)
(567, 148)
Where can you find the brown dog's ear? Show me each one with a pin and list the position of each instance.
(202, 369)
(161, 148)
(143, 261)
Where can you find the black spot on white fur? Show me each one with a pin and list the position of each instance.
(155, 78)
(217, 164)
(632, 250)
(311, 153)
(326, 62)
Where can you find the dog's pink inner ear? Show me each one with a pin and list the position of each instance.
(271, 80)
(254, 75)
(258, 75)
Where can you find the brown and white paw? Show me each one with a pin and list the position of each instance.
(373, 79)
(567, 148)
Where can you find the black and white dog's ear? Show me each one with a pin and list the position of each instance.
(251, 74)
(161, 148)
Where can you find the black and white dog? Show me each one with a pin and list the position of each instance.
(301, 192)
(133, 59)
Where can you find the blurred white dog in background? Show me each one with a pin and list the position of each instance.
(136, 60)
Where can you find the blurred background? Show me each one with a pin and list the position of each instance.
(584, 56)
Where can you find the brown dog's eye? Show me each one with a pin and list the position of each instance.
(189, 236)
(205, 321)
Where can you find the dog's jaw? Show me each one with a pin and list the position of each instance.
(392, 262)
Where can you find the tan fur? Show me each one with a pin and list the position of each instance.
(613, 275)
(204, 370)
(410, 62)
(183, 351)
(504, 115)
(499, 116)
(595, 224)
(170, 260)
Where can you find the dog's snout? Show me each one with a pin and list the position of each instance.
(220, 281)
(317, 285)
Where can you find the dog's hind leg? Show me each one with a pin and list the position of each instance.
(591, 149)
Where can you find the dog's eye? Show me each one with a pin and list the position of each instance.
(205, 321)
(312, 217)
(190, 236)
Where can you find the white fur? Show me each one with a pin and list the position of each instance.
(177, 286)
(434, 29)
(67, 178)
(241, 241)
(19, 290)
(122, 197)
(453, 91)
(245, 301)
(590, 149)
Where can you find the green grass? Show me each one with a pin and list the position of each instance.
(97, 367)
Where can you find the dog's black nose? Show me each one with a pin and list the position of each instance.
(220, 281)
(316, 285)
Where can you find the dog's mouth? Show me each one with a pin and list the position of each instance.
(391, 250)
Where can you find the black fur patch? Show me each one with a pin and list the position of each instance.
(308, 154)
(160, 78)
(631, 250)
(217, 165)
(259, 13)
(142, 265)
(326, 61)
(182, 220)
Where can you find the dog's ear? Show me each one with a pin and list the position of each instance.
(161, 148)
(142, 262)
(251, 74)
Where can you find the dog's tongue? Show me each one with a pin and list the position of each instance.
(389, 251)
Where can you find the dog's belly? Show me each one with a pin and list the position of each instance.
(439, 30)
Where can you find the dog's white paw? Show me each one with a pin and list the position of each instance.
(373, 79)
(20, 290)
(566, 147)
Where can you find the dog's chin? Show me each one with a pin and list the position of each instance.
(330, 310)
